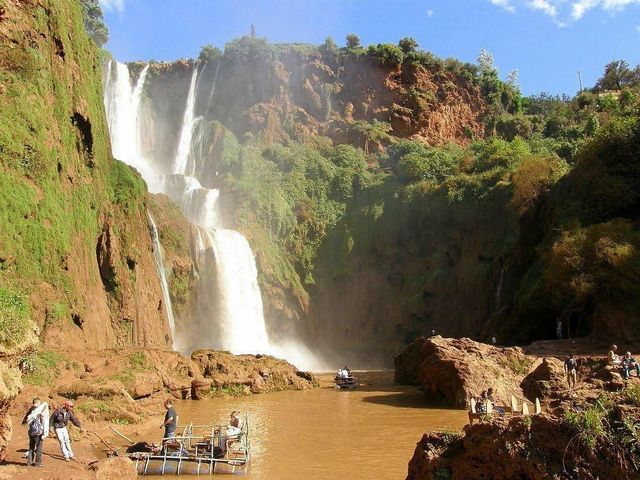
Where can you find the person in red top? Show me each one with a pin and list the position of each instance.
(59, 421)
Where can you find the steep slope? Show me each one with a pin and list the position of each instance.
(76, 265)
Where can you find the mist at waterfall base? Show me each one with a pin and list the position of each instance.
(228, 311)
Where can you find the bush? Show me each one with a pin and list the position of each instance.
(209, 53)
(250, 50)
(533, 177)
(15, 316)
(386, 54)
(41, 368)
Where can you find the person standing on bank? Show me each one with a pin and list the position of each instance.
(59, 421)
(36, 418)
(170, 420)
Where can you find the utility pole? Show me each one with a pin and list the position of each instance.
(580, 80)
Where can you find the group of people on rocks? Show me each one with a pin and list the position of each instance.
(39, 423)
(486, 397)
(627, 363)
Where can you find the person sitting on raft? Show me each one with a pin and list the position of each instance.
(612, 357)
(232, 432)
(629, 363)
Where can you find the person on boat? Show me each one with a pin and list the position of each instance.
(571, 370)
(59, 421)
(36, 418)
(612, 357)
(347, 372)
(232, 432)
(170, 421)
(628, 364)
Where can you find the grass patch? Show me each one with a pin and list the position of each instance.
(589, 424)
(229, 390)
(631, 395)
(520, 367)
(15, 316)
(42, 368)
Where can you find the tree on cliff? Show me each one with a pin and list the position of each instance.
(618, 74)
(94, 21)
(408, 44)
(353, 41)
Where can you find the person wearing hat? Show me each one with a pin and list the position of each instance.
(59, 421)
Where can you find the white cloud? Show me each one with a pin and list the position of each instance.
(506, 4)
(430, 13)
(563, 11)
(112, 4)
(545, 6)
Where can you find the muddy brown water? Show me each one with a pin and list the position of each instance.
(324, 433)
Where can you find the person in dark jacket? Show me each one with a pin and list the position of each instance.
(170, 421)
(36, 433)
(59, 421)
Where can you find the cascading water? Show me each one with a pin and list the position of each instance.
(122, 104)
(186, 132)
(158, 256)
(234, 320)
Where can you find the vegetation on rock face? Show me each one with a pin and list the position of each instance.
(59, 186)
(333, 190)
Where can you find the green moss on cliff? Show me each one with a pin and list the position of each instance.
(57, 177)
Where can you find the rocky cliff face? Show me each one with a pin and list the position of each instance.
(76, 265)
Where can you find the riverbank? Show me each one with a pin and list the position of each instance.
(589, 431)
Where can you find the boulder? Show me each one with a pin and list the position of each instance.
(247, 374)
(453, 370)
(407, 364)
(144, 385)
(116, 468)
(545, 381)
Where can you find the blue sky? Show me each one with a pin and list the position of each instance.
(548, 41)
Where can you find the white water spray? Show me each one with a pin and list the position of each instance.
(186, 132)
(238, 323)
(158, 256)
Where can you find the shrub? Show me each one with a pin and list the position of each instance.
(209, 53)
(533, 177)
(41, 368)
(15, 317)
(386, 54)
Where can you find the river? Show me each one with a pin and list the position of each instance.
(323, 433)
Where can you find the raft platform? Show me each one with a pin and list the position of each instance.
(199, 450)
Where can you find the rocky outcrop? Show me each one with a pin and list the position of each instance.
(504, 451)
(453, 370)
(407, 364)
(244, 374)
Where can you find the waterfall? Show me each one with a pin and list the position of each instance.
(229, 311)
(186, 132)
(159, 258)
(122, 104)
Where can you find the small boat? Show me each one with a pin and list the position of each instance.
(199, 450)
(345, 383)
